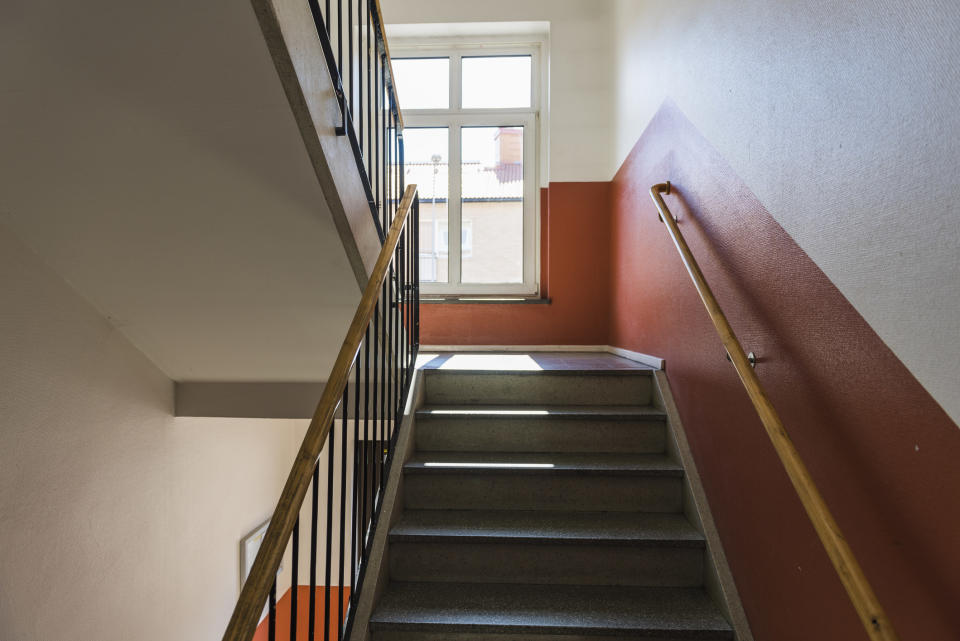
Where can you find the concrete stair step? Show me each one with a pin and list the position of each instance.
(538, 387)
(556, 428)
(543, 463)
(542, 481)
(586, 548)
(592, 528)
(433, 611)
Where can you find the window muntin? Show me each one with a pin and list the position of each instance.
(497, 253)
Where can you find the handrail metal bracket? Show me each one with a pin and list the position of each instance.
(665, 189)
(751, 358)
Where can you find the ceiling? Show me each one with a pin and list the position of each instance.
(148, 154)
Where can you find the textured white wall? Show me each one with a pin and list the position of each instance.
(844, 118)
(581, 110)
(119, 521)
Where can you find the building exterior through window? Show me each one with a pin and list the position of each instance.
(471, 132)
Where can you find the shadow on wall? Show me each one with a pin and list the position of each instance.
(880, 448)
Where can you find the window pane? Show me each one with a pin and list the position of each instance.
(426, 164)
(422, 83)
(496, 82)
(492, 200)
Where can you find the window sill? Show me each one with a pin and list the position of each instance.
(436, 299)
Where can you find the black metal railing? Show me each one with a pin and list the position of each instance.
(324, 522)
(352, 35)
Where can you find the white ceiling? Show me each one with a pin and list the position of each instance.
(148, 154)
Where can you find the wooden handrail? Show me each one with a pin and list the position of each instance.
(386, 51)
(246, 614)
(864, 600)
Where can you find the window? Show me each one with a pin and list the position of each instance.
(470, 141)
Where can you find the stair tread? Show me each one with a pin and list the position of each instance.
(543, 463)
(477, 526)
(621, 412)
(549, 609)
(644, 372)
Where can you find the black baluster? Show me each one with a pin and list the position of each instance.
(376, 133)
(391, 340)
(369, 108)
(416, 275)
(366, 438)
(294, 580)
(312, 622)
(361, 53)
(326, 573)
(272, 622)
(343, 506)
(353, 83)
(383, 392)
(354, 499)
(376, 395)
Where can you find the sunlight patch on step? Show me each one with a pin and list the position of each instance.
(491, 362)
(423, 358)
(495, 465)
(484, 411)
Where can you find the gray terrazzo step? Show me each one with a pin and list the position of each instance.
(481, 611)
(542, 481)
(538, 387)
(593, 528)
(521, 428)
(543, 463)
(586, 548)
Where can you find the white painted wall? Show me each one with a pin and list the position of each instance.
(149, 154)
(844, 118)
(580, 78)
(118, 521)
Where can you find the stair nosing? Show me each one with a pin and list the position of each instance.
(572, 412)
(678, 534)
(662, 466)
(660, 632)
(716, 628)
(647, 542)
(647, 373)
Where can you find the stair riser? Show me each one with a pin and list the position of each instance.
(451, 388)
(542, 492)
(645, 566)
(540, 435)
(391, 633)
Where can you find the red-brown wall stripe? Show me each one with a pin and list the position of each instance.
(575, 274)
(303, 614)
(883, 452)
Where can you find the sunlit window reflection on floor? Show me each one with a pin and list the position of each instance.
(423, 358)
(498, 362)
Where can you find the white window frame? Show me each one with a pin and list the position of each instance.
(454, 118)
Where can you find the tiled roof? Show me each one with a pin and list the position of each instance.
(503, 181)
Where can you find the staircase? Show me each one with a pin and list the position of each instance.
(543, 504)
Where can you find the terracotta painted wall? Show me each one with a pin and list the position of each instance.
(884, 454)
(575, 275)
(303, 614)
